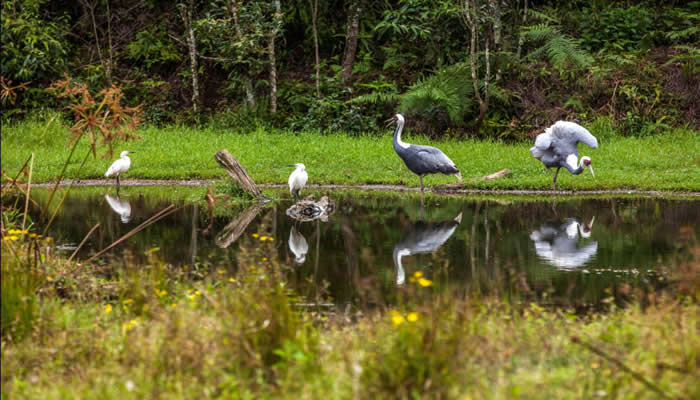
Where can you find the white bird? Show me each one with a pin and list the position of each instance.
(297, 179)
(556, 147)
(119, 206)
(298, 245)
(120, 166)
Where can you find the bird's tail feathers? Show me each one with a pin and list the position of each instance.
(459, 176)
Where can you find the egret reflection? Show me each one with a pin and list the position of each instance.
(558, 243)
(298, 245)
(422, 237)
(119, 206)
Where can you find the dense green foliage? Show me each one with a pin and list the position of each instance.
(634, 63)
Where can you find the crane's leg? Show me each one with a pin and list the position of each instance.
(554, 182)
(421, 196)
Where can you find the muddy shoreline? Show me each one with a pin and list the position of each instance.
(439, 189)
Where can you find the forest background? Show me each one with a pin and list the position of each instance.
(456, 68)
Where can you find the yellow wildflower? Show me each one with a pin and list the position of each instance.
(412, 317)
(231, 279)
(173, 305)
(418, 274)
(264, 258)
(220, 271)
(34, 235)
(108, 308)
(594, 365)
(425, 282)
(161, 293)
(13, 238)
(198, 293)
(397, 318)
(48, 278)
(263, 238)
(6, 238)
(128, 301)
(271, 239)
(255, 235)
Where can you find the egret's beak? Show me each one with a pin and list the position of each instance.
(291, 165)
(591, 168)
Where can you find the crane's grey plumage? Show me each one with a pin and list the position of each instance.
(558, 243)
(297, 179)
(422, 238)
(120, 166)
(556, 147)
(119, 206)
(298, 245)
(421, 160)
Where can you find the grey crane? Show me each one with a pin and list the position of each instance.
(556, 147)
(421, 160)
(422, 237)
(558, 243)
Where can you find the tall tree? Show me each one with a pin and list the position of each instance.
(247, 80)
(314, 19)
(106, 61)
(276, 27)
(186, 15)
(351, 36)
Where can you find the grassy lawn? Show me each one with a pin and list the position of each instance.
(665, 162)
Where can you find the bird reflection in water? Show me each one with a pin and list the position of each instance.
(422, 237)
(298, 245)
(119, 206)
(558, 243)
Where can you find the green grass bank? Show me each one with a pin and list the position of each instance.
(664, 162)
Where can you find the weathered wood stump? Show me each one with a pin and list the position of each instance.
(238, 173)
(309, 210)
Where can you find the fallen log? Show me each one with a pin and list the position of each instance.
(238, 173)
(236, 227)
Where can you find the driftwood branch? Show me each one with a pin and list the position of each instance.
(238, 173)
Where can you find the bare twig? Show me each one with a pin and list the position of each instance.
(29, 189)
(164, 212)
(83, 242)
(636, 375)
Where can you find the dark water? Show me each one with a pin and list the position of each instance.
(581, 252)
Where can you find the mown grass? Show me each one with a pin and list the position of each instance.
(664, 162)
(151, 331)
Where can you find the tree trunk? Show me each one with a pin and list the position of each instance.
(471, 19)
(314, 15)
(521, 38)
(192, 47)
(247, 80)
(238, 173)
(277, 20)
(90, 7)
(351, 36)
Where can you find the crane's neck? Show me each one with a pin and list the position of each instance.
(574, 165)
(400, 273)
(397, 135)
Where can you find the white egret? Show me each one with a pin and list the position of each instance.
(297, 179)
(298, 245)
(120, 166)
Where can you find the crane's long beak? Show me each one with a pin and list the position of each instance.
(591, 168)
(388, 122)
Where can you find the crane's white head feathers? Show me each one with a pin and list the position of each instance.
(586, 162)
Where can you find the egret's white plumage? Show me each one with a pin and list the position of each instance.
(119, 206)
(297, 179)
(120, 166)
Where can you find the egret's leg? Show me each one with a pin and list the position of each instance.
(117, 183)
(554, 182)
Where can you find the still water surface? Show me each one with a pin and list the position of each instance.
(580, 252)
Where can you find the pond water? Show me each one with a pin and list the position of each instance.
(578, 252)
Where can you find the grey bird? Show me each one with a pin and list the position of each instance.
(421, 160)
(558, 243)
(556, 147)
(423, 237)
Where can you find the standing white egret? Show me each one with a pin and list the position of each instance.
(297, 179)
(120, 166)
(556, 147)
(422, 160)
